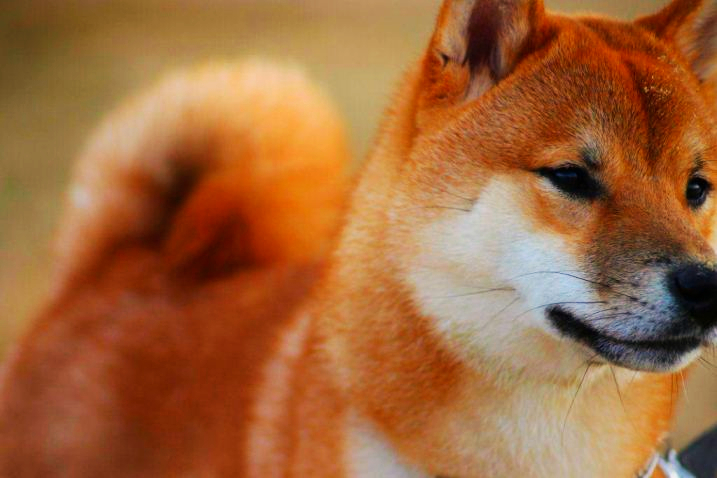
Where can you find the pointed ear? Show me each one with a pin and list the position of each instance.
(476, 44)
(692, 26)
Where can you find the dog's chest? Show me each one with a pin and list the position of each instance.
(525, 435)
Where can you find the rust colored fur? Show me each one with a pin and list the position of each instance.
(208, 322)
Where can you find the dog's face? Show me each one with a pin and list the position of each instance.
(565, 181)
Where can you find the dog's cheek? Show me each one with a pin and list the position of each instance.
(546, 271)
(484, 277)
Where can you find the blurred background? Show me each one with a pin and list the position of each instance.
(64, 63)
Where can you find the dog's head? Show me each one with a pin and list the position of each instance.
(555, 203)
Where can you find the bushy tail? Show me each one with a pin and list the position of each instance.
(224, 163)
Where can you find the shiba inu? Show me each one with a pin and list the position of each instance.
(522, 270)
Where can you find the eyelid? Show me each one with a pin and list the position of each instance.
(699, 175)
(571, 166)
(558, 167)
(546, 170)
(697, 172)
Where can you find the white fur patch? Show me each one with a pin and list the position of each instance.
(540, 430)
(265, 455)
(486, 278)
(369, 455)
(528, 429)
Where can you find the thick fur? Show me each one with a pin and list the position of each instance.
(216, 154)
(201, 328)
(196, 219)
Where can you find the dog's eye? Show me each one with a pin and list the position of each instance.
(697, 191)
(573, 181)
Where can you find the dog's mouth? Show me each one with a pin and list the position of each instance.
(652, 356)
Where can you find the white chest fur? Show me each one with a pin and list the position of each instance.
(536, 432)
(370, 455)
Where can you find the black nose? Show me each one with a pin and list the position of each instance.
(695, 287)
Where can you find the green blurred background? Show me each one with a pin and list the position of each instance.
(64, 63)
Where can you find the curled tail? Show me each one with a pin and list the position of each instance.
(222, 164)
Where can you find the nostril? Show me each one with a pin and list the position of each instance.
(696, 287)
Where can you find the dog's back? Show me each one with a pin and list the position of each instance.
(194, 230)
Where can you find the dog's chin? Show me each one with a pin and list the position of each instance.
(660, 356)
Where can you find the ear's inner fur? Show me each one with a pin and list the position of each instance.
(478, 42)
(483, 30)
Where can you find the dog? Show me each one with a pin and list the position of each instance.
(512, 286)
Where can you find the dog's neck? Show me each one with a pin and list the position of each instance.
(482, 429)
(427, 410)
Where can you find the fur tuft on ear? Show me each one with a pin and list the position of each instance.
(477, 43)
(692, 26)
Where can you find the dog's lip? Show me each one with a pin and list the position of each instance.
(631, 353)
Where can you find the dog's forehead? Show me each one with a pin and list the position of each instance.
(631, 93)
(632, 100)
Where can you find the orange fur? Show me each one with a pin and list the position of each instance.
(202, 327)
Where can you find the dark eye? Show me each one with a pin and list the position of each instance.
(697, 191)
(573, 181)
